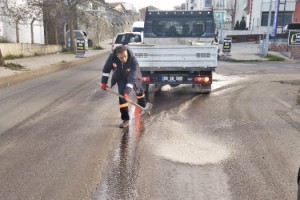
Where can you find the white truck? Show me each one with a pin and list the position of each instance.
(180, 47)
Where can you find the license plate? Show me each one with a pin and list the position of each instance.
(172, 78)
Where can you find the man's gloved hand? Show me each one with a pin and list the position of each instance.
(103, 86)
(126, 96)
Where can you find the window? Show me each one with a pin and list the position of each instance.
(184, 25)
(207, 3)
(127, 38)
(287, 17)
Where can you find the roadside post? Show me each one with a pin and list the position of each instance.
(80, 48)
(227, 46)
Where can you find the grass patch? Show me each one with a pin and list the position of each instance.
(274, 58)
(98, 48)
(269, 57)
(11, 57)
(4, 41)
(298, 98)
(68, 52)
(14, 66)
(234, 60)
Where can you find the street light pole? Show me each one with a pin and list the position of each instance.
(222, 18)
(266, 48)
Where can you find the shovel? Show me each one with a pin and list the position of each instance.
(147, 108)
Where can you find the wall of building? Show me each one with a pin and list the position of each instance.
(38, 33)
(22, 49)
(265, 4)
(9, 30)
(105, 24)
(296, 17)
(256, 15)
(283, 47)
(240, 10)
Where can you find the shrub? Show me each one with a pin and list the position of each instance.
(98, 48)
(11, 57)
(14, 66)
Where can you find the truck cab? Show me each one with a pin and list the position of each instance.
(179, 27)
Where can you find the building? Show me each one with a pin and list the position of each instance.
(221, 9)
(257, 11)
(254, 11)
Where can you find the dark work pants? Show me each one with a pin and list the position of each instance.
(123, 103)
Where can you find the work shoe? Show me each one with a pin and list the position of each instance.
(124, 124)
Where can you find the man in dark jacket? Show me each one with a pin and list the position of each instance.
(127, 75)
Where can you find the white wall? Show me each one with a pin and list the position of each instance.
(240, 10)
(22, 49)
(9, 30)
(256, 14)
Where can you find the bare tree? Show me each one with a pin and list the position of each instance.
(51, 14)
(36, 14)
(59, 12)
(71, 8)
(15, 13)
(230, 9)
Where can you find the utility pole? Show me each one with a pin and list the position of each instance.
(222, 18)
(266, 48)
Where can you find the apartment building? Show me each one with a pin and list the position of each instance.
(257, 12)
(254, 11)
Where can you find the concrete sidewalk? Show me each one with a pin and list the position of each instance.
(39, 65)
(248, 51)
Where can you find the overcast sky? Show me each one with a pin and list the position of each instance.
(161, 4)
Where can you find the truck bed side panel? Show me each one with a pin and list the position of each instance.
(176, 56)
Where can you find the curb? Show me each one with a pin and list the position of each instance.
(5, 81)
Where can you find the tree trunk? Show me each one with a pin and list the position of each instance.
(46, 31)
(56, 34)
(32, 32)
(17, 32)
(72, 47)
(1, 59)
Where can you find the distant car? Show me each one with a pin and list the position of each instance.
(298, 184)
(137, 26)
(292, 26)
(77, 34)
(126, 38)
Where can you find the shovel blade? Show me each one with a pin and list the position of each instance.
(146, 109)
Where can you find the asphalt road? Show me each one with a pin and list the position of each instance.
(59, 138)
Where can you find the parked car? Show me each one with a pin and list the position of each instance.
(137, 26)
(77, 34)
(127, 37)
(292, 26)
